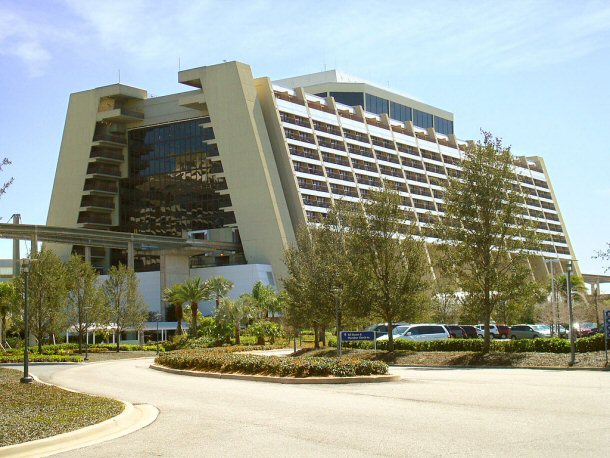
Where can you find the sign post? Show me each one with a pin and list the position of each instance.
(606, 332)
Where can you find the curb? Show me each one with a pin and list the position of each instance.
(536, 368)
(130, 420)
(283, 380)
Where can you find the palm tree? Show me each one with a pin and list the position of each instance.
(172, 296)
(193, 291)
(235, 312)
(218, 287)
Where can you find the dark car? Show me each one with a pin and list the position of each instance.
(470, 332)
(455, 331)
(504, 331)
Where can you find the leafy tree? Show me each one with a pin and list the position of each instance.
(8, 306)
(85, 301)
(263, 328)
(6, 184)
(388, 263)
(310, 281)
(445, 304)
(125, 304)
(46, 295)
(236, 311)
(485, 238)
(218, 287)
(171, 295)
(266, 299)
(193, 291)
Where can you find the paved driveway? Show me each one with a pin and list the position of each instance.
(433, 412)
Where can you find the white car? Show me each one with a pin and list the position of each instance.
(493, 330)
(420, 332)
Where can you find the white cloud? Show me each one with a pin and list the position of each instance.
(19, 38)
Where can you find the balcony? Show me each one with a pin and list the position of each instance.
(106, 155)
(104, 169)
(109, 140)
(101, 186)
(120, 115)
(94, 219)
(97, 203)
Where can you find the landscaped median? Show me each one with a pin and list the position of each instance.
(272, 368)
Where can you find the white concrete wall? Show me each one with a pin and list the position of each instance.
(243, 276)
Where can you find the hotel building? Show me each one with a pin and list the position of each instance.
(248, 160)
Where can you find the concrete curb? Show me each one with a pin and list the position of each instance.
(130, 420)
(536, 368)
(283, 380)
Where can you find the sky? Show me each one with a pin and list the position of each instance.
(532, 72)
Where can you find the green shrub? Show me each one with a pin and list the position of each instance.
(553, 345)
(593, 343)
(37, 358)
(228, 360)
(262, 329)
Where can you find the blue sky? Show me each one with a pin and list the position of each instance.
(532, 72)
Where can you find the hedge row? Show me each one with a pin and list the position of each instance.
(232, 362)
(71, 348)
(36, 358)
(554, 345)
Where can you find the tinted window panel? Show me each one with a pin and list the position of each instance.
(349, 98)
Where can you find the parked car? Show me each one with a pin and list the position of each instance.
(382, 328)
(493, 330)
(420, 332)
(470, 332)
(504, 331)
(524, 331)
(543, 329)
(585, 329)
(455, 331)
(397, 332)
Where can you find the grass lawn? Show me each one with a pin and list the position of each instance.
(594, 359)
(34, 411)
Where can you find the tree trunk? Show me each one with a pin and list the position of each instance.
(323, 336)
(80, 331)
(118, 339)
(237, 341)
(178, 311)
(487, 332)
(390, 337)
(3, 331)
(316, 334)
(194, 310)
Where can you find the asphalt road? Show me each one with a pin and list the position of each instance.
(430, 412)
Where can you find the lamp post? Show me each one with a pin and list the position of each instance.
(572, 336)
(27, 378)
(551, 261)
(338, 318)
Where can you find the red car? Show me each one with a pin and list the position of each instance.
(503, 331)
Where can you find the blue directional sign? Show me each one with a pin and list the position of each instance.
(607, 322)
(347, 336)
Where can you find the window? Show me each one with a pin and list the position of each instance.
(376, 105)
(349, 98)
(421, 119)
(400, 112)
(443, 126)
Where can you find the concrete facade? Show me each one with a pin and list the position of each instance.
(286, 155)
